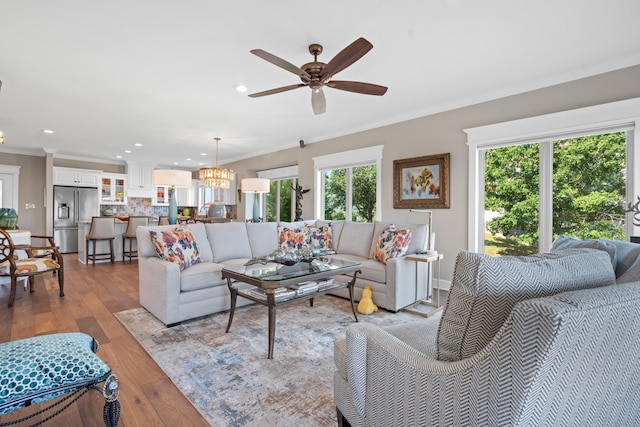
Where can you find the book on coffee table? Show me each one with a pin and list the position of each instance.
(279, 293)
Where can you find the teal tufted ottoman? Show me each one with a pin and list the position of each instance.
(42, 368)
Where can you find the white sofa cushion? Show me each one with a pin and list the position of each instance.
(201, 276)
(263, 238)
(485, 289)
(355, 239)
(228, 240)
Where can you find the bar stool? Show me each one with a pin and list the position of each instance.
(163, 220)
(102, 228)
(130, 233)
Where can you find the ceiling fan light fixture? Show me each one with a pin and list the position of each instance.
(216, 177)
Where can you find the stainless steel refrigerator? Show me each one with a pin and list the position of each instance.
(71, 207)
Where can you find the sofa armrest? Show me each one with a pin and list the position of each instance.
(159, 288)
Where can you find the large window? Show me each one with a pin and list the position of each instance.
(350, 190)
(280, 202)
(588, 191)
(348, 185)
(567, 173)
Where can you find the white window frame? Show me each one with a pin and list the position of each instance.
(342, 160)
(598, 119)
(277, 174)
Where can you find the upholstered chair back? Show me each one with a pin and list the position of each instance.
(102, 227)
(134, 223)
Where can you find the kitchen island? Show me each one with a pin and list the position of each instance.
(102, 246)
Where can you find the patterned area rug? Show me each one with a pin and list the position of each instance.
(228, 377)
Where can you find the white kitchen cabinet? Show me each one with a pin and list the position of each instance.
(188, 196)
(229, 196)
(113, 188)
(76, 177)
(140, 180)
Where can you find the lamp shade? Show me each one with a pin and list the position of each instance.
(255, 185)
(171, 178)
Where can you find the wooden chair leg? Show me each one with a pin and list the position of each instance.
(113, 258)
(12, 294)
(32, 280)
(124, 241)
(94, 253)
(130, 250)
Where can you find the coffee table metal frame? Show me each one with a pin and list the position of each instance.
(232, 274)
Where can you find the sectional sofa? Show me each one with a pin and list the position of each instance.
(173, 294)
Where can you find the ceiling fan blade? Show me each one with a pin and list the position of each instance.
(280, 63)
(346, 57)
(276, 90)
(318, 101)
(358, 87)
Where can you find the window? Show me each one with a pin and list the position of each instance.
(280, 202)
(563, 173)
(588, 191)
(348, 185)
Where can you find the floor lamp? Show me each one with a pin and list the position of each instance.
(173, 179)
(255, 186)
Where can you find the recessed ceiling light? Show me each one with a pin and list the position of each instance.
(49, 131)
(200, 164)
(137, 144)
(118, 157)
(188, 159)
(203, 154)
(127, 151)
(176, 163)
(241, 88)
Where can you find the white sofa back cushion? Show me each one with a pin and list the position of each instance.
(485, 289)
(355, 239)
(263, 238)
(228, 240)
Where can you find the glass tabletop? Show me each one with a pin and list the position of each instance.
(272, 271)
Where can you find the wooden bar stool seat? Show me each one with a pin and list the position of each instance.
(102, 228)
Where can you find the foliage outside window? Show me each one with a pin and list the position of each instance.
(280, 200)
(350, 189)
(589, 187)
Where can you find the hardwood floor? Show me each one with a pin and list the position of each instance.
(92, 295)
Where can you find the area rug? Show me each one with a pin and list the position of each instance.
(228, 377)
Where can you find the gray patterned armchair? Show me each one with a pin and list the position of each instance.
(544, 340)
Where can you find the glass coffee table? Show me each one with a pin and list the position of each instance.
(276, 284)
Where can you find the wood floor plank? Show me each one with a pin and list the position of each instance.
(92, 295)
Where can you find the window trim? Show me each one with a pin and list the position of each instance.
(347, 159)
(603, 118)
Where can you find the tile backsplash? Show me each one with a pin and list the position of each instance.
(143, 206)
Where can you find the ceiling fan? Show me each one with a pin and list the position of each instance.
(318, 74)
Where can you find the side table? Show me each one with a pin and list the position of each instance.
(430, 299)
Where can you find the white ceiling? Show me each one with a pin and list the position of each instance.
(106, 75)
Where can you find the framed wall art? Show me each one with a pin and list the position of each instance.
(421, 182)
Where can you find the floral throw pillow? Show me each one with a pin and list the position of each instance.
(392, 243)
(295, 238)
(178, 246)
(320, 236)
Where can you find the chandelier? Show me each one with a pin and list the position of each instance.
(216, 177)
